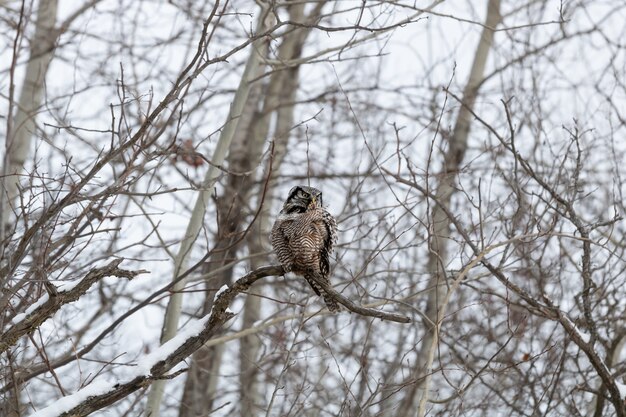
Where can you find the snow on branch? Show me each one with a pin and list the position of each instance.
(51, 302)
(157, 364)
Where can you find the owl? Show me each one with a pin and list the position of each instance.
(303, 237)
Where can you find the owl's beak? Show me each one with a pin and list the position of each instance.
(313, 202)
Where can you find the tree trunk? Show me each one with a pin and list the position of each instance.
(258, 239)
(21, 128)
(19, 136)
(245, 154)
(280, 98)
(441, 225)
(172, 314)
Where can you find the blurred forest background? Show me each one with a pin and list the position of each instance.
(472, 152)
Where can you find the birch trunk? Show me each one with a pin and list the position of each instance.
(441, 225)
(181, 263)
(281, 89)
(245, 154)
(21, 128)
(19, 136)
(281, 95)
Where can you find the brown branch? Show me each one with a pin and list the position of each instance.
(56, 299)
(219, 315)
(608, 380)
(363, 311)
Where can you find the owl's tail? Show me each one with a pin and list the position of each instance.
(312, 278)
(332, 305)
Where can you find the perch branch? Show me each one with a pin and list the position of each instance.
(89, 400)
(363, 311)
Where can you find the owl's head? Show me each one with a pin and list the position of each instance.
(302, 198)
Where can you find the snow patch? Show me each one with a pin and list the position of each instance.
(584, 336)
(19, 317)
(193, 328)
(65, 404)
(64, 287)
(67, 286)
(222, 289)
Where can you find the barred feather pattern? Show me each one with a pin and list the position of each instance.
(303, 243)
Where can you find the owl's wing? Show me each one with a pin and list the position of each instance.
(330, 238)
(281, 245)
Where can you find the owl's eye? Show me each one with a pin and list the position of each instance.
(303, 194)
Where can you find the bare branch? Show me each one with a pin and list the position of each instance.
(50, 303)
